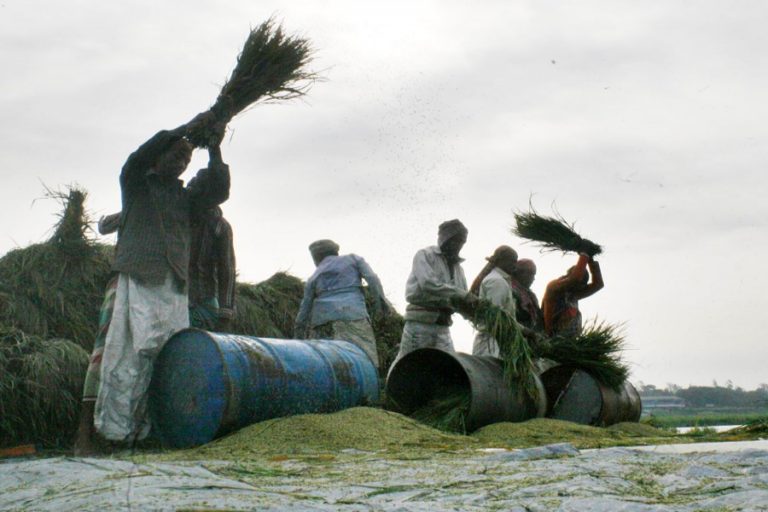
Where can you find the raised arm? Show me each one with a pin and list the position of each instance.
(571, 278)
(596, 284)
(301, 325)
(374, 284)
(210, 186)
(140, 161)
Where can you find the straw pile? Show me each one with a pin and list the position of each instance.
(552, 233)
(54, 289)
(40, 387)
(268, 309)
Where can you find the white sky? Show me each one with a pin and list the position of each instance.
(643, 121)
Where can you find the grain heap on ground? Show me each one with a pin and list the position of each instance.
(359, 428)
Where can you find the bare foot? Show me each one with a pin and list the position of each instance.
(85, 442)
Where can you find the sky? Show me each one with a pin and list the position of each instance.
(641, 121)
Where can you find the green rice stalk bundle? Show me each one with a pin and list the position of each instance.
(552, 233)
(54, 289)
(40, 388)
(271, 67)
(447, 413)
(597, 351)
(514, 350)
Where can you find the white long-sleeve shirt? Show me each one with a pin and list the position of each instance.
(430, 286)
(497, 289)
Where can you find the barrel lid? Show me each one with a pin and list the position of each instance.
(187, 395)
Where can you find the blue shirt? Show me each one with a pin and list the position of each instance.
(335, 292)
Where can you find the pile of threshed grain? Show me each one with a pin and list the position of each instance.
(387, 433)
(359, 428)
(543, 431)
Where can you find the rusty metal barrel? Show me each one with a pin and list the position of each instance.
(575, 395)
(429, 374)
(207, 384)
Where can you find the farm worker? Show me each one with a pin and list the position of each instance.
(494, 285)
(436, 280)
(560, 304)
(84, 441)
(333, 306)
(211, 272)
(529, 313)
(152, 257)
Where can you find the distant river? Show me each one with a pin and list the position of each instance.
(716, 428)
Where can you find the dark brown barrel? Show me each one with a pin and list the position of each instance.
(574, 395)
(430, 374)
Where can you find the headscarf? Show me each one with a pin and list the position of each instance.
(450, 229)
(322, 248)
(501, 254)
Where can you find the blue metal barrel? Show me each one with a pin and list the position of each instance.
(206, 384)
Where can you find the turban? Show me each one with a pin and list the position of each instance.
(450, 229)
(503, 254)
(323, 248)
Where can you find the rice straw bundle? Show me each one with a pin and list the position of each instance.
(514, 350)
(40, 386)
(271, 67)
(447, 413)
(553, 233)
(597, 351)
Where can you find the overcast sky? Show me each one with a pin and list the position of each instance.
(644, 122)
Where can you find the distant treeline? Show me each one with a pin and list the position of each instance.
(711, 396)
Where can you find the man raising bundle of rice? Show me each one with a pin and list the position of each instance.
(560, 304)
(152, 258)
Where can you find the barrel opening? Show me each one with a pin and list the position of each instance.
(424, 376)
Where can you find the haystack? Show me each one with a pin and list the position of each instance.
(269, 308)
(41, 383)
(55, 288)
